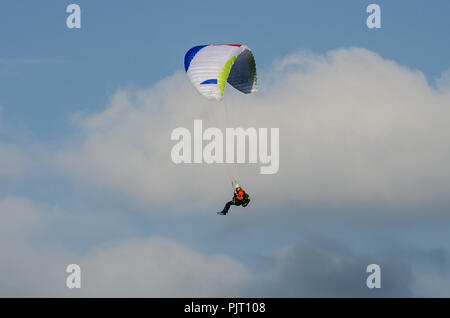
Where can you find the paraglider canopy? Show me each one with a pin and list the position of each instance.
(210, 67)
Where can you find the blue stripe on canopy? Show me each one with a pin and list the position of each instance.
(210, 81)
(190, 55)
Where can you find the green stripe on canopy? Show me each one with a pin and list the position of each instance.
(223, 76)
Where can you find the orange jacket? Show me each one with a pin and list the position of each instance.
(240, 195)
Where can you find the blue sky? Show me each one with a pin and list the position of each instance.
(88, 205)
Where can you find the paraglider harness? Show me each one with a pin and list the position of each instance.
(245, 199)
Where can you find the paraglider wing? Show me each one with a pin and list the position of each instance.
(210, 67)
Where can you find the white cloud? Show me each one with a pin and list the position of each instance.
(33, 265)
(25, 269)
(33, 262)
(159, 267)
(443, 82)
(354, 128)
(12, 160)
